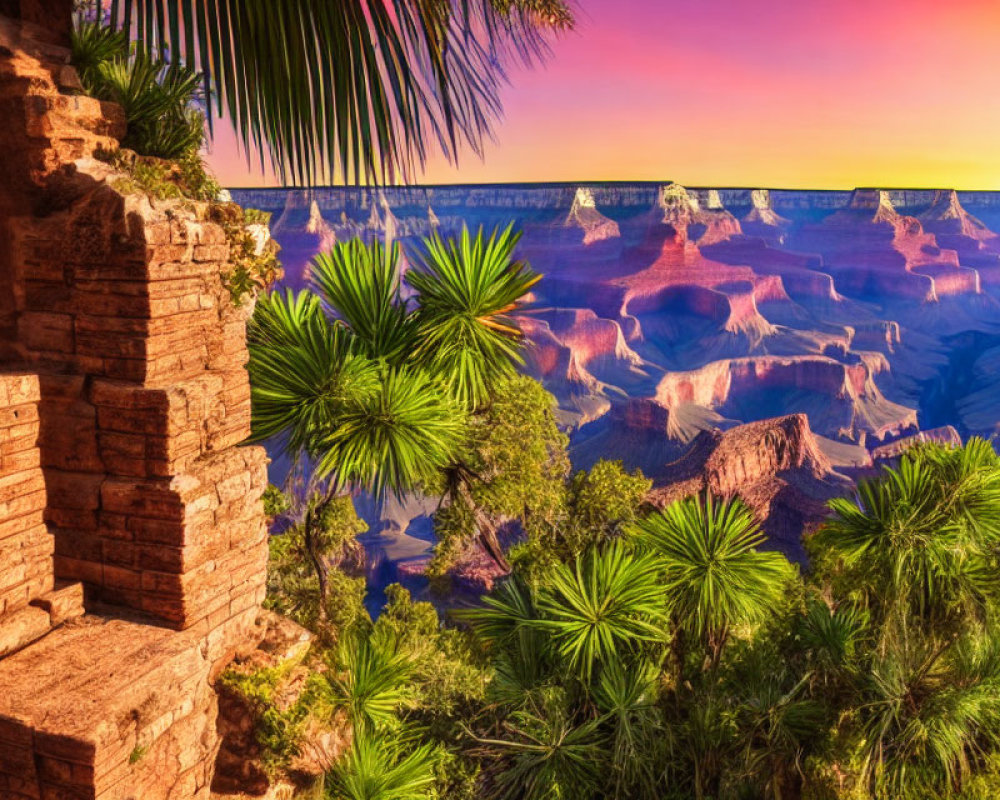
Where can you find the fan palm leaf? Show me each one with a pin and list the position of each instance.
(394, 438)
(923, 537)
(368, 679)
(466, 289)
(382, 766)
(601, 607)
(715, 577)
(304, 371)
(547, 756)
(354, 89)
(360, 284)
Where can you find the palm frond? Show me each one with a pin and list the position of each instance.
(602, 607)
(368, 678)
(382, 766)
(922, 538)
(546, 756)
(715, 577)
(303, 371)
(361, 286)
(466, 290)
(356, 90)
(394, 438)
(639, 740)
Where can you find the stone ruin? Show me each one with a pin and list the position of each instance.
(132, 536)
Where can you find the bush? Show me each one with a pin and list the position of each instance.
(159, 99)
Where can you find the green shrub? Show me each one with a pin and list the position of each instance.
(159, 99)
(278, 731)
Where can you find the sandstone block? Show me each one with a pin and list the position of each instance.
(62, 603)
(21, 628)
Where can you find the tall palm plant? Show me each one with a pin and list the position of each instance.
(466, 333)
(921, 541)
(715, 577)
(343, 374)
(355, 89)
(383, 767)
(928, 712)
(601, 608)
(546, 754)
(366, 677)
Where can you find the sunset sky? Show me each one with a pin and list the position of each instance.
(779, 93)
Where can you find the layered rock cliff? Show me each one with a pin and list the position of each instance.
(776, 466)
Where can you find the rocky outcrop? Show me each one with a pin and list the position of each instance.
(584, 214)
(946, 435)
(240, 768)
(124, 400)
(762, 212)
(776, 466)
(843, 399)
(692, 220)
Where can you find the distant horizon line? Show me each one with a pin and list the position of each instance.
(747, 187)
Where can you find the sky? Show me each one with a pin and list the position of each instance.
(770, 93)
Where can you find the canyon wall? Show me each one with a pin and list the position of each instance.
(132, 538)
(667, 311)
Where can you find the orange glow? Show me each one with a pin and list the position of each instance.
(789, 93)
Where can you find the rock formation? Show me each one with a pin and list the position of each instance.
(123, 492)
(584, 214)
(776, 466)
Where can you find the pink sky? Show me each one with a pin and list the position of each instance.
(781, 93)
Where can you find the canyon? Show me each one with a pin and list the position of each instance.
(669, 314)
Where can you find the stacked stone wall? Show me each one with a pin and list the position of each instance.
(123, 401)
(144, 402)
(25, 544)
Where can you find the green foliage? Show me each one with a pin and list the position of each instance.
(276, 502)
(602, 503)
(183, 179)
(340, 371)
(546, 755)
(253, 254)
(715, 578)
(921, 542)
(466, 290)
(367, 678)
(293, 583)
(383, 766)
(397, 437)
(278, 728)
(517, 455)
(362, 282)
(158, 98)
(602, 608)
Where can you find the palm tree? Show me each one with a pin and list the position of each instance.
(776, 720)
(367, 677)
(358, 90)
(626, 696)
(928, 712)
(466, 335)
(546, 754)
(920, 542)
(358, 384)
(715, 577)
(383, 767)
(601, 608)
